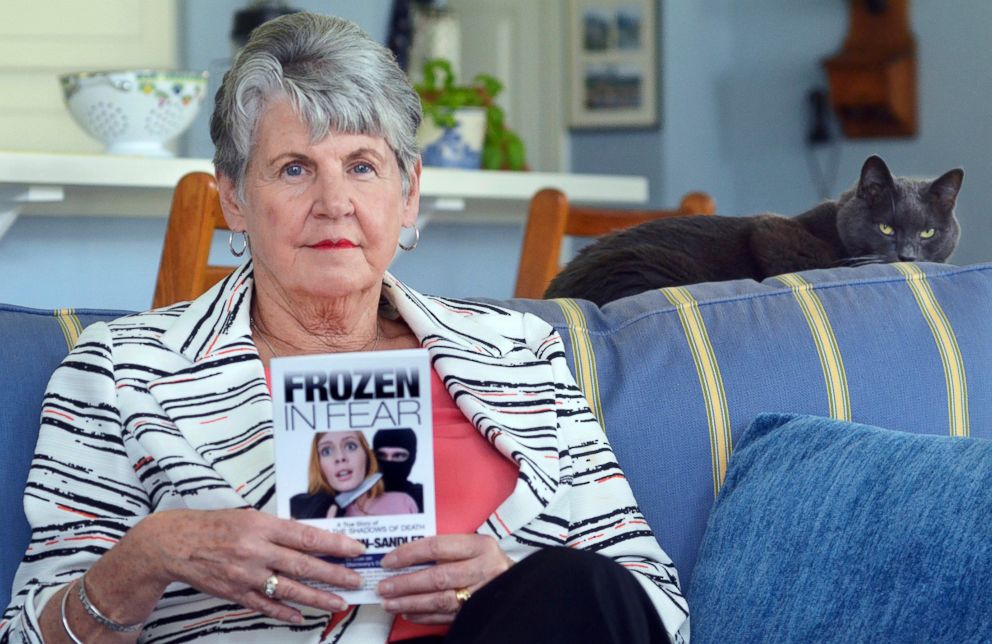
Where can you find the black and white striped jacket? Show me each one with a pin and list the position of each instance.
(170, 409)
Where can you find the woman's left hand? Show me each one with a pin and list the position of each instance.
(462, 561)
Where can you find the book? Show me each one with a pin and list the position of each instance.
(354, 452)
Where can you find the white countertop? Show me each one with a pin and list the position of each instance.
(39, 183)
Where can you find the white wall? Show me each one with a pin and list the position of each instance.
(40, 41)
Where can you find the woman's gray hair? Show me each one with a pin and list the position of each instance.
(334, 74)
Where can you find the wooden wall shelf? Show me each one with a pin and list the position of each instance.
(873, 78)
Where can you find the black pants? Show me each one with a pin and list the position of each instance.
(558, 595)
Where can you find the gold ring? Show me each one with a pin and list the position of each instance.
(462, 595)
(270, 585)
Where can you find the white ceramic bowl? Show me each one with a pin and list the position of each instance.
(134, 112)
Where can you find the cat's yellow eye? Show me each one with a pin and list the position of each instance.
(886, 229)
(927, 234)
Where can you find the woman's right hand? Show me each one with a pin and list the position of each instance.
(230, 554)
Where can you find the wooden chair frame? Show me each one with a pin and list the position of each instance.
(184, 272)
(550, 218)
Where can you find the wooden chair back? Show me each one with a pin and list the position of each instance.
(550, 218)
(184, 272)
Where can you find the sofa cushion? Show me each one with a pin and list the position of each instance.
(676, 375)
(32, 343)
(833, 531)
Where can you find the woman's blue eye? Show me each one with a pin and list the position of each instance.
(363, 168)
(325, 451)
(351, 447)
(294, 170)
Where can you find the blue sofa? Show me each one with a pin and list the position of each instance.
(678, 376)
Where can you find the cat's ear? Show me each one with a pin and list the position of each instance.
(944, 189)
(876, 181)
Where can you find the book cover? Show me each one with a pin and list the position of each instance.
(354, 452)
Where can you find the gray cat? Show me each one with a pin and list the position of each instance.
(881, 219)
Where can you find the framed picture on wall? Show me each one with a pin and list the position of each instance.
(613, 63)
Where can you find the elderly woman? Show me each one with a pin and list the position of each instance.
(151, 495)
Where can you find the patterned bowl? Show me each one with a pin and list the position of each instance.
(134, 112)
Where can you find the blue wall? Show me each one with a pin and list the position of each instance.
(734, 79)
(81, 262)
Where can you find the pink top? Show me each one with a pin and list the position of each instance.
(471, 480)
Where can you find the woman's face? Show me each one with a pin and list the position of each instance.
(342, 460)
(324, 218)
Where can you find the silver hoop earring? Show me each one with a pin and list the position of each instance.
(244, 243)
(416, 240)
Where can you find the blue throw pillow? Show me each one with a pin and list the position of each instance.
(833, 531)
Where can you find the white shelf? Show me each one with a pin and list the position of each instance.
(33, 183)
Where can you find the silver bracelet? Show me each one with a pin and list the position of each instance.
(102, 619)
(65, 620)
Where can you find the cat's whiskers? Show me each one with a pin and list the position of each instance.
(861, 260)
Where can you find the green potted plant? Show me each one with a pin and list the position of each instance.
(440, 97)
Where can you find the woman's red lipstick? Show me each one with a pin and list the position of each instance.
(330, 243)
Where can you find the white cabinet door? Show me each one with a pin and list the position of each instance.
(521, 43)
(41, 40)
